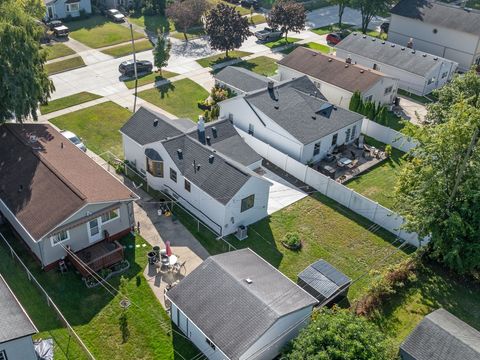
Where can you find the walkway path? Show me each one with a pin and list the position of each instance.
(90, 56)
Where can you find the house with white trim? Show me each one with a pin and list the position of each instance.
(62, 9)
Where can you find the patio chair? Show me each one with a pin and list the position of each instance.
(178, 266)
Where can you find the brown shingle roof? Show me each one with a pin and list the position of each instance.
(44, 178)
(331, 69)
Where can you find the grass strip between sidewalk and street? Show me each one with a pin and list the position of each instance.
(68, 101)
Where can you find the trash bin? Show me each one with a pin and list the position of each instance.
(156, 250)
(152, 257)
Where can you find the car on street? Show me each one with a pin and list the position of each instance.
(127, 68)
(268, 34)
(335, 37)
(74, 139)
(250, 3)
(115, 15)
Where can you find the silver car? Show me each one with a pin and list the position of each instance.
(74, 139)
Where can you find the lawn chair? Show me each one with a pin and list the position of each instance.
(178, 266)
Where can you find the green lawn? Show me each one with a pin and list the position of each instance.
(68, 101)
(123, 50)
(151, 23)
(57, 50)
(378, 183)
(281, 42)
(95, 313)
(311, 45)
(150, 78)
(240, 9)
(330, 28)
(98, 126)
(420, 99)
(262, 65)
(64, 65)
(257, 19)
(97, 32)
(178, 98)
(219, 58)
(375, 33)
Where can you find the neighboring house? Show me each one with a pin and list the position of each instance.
(441, 336)
(336, 79)
(445, 30)
(236, 306)
(61, 9)
(207, 168)
(240, 80)
(16, 328)
(53, 195)
(295, 118)
(418, 72)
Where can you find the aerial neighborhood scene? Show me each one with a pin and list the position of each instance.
(240, 179)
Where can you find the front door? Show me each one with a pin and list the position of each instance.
(94, 230)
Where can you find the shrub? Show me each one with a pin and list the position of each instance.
(292, 241)
(388, 150)
(219, 93)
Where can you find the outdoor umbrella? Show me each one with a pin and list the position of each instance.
(168, 248)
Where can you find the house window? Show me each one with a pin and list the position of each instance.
(94, 227)
(316, 148)
(445, 74)
(251, 129)
(247, 203)
(477, 61)
(211, 344)
(334, 139)
(57, 239)
(354, 130)
(347, 135)
(111, 215)
(388, 90)
(188, 186)
(173, 175)
(73, 7)
(431, 81)
(155, 168)
(3, 355)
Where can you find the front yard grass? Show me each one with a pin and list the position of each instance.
(262, 65)
(57, 51)
(325, 49)
(220, 58)
(324, 30)
(150, 78)
(97, 32)
(123, 50)
(151, 23)
(281, 42)
(95, 313)
(257, 19)
(64, 65)
(68, 101)
(178, 98)
(98, 126)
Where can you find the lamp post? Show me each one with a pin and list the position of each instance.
(134, 67)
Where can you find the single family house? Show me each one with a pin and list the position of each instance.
(445, 30)
(16, 328)
(56, 198)
(240, 80)
(294, 117)
(62, 9)
(336, 79)
(236, 306)
(207, 168)
(417, 72)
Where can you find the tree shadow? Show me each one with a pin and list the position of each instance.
(165, 89)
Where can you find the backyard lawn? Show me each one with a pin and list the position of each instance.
(57, 50)
(64, 65)
(123, 50)
(98, 126)
(178, 98)
(220, 58)
(68, 101)
(97, 32)
(262, 65)
(95, 314)
(150, 78)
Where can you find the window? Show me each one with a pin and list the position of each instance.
(334, 139)
(347, 135)
(155, 168)
(188, 186)
(445, 74)
(251, 129)
(477, 61)
(212, 345)
(57, 239)
(316, 149)
(388, 90)
(94, 227)
(431, 81)
(247, 203)
(173, 175)
(73, 7)
(111, 215)
(354, 130)
(3, 355)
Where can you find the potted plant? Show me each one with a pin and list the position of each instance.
(292, 241)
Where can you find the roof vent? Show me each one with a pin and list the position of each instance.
(403, 48)
(276, 107)
(211, 158)
(248, 281)
(314, 54)
(155, 122)
(393, 45)
(270, 85)
(61, 145)
(314, 117)
(374, 39)
(208, 140)
(180, 153)
(362, 71)
(435, 58)
(364, 36)
(330, 59)
(414, 52)
(346, 65)
(348, 60)
(214, 131)
(383, 42)
(424, 55)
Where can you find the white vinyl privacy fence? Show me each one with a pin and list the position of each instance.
(356, 202)
(388, 136)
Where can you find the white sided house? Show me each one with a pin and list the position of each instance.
(236, 306)
(337, 79)
(418, 72)
(446, 30)
(54, 196)
(62, 9)
(207, 168)
(295, 118)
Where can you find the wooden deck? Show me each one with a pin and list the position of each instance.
(97, 257)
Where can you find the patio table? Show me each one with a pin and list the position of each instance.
(172, 260)
(344, 162)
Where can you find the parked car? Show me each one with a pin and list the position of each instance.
(115, 15)
(53, 24)
(250, 3)
(268, 34)
(61, 31)
(336, 37)
(127, 67)
(74, 139)
(384, 27)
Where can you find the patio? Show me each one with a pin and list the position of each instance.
(98, 256)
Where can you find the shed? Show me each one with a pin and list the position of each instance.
(324, 282)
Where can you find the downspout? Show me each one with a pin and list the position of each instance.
(42, 259)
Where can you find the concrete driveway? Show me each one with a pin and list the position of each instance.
(282, 193)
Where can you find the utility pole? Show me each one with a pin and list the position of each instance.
(134, 68)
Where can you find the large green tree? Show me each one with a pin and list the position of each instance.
(342, 4)
(161, 53)
(187, 13)
(23, 80)
(339, 335)
(371, 8)
(287, 15)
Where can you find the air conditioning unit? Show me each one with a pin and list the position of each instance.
(242, 232)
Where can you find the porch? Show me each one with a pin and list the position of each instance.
(96, 257)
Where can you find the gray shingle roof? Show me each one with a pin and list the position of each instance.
(324, 278)
(241, 78)
(294, 106)
(413, 61)
(440, 14)
(14, 322)
(229, 311)
(442, 336)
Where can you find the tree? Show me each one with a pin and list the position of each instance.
(161, 53)
(226, 28)
(23, 80)
(339, 334)
(154, 7)
(287, 15)
(187, 13)
(355, 101)
(371, 8)
(342, 4)
(462, 87)
(438, 190)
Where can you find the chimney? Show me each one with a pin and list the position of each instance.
(155, 122)
(180, 153)
(270, 85)
(201, 129)
(214, 131)
(211, 158)
(410, 43)
(348, 60)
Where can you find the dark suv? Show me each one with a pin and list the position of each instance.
(127, 67)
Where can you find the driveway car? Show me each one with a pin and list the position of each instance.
(384, 27)
(60, 31)
(127, 68)
(74, 139)
(268, 34)
(336, 37)
(53, 24)
(115, 15)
